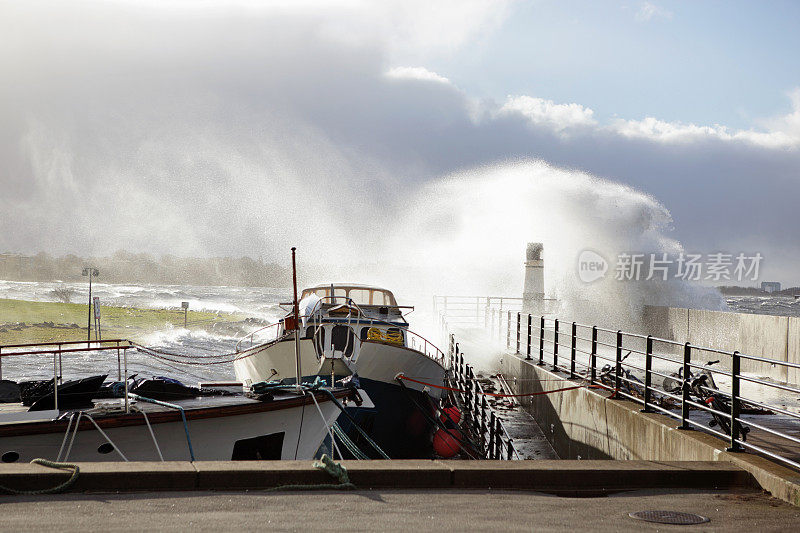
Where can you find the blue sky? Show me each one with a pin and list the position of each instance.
(703, 62)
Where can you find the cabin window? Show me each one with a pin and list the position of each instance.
(10, 457)
(383, 298)
(263, 448)
(342, 339)
(391, 335)
(361, 296)
(322, 292)
(105, 448)
(394, 332)
(340, 293)
(319, 341)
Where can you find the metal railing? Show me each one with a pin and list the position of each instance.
(251, 336)
(490, 312)
(412, 340)
(577, 350)
(479, 418)
(57, 350)
(473, 310)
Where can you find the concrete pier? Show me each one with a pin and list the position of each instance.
(392, 510)
(773, 337)
(553, 476)
(586, 423)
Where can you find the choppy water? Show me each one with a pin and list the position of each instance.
(765, 305)
(257, 302)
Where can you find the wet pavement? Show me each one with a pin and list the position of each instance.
(392, 510)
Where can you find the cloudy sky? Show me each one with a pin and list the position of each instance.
(231, 128)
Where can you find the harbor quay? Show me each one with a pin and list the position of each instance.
(553, 495)
(394, 510)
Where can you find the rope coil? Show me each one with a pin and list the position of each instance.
(335, 470)
(390, 337)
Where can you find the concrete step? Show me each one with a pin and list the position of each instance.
(545, 475)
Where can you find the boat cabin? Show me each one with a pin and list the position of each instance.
(360, 294)
(340, 328)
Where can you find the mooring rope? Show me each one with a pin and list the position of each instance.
(348, 443)
(334, 469)
(53, 490)
(499, 395)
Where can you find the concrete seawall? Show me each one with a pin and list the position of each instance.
(553, 476)
(585, 423)
(773, 337)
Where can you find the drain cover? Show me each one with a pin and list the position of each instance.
(669, 517)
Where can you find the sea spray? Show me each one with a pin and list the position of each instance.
(466, 234)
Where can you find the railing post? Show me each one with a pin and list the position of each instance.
(125, 374)
(508, 331)
(483, 421)
(618, 363)
(1, 362)
(467, 405)
(593, 357)
(510, 449)
(528, 351)
(519, 319)
(572, 350)
(687, 359)
(119, 364)
(648, 373)
(55, 382)
(555, 346)
(735, 403)
(498, 439)
(541, 341)
(492, 420)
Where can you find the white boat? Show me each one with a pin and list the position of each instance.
(158, 419)
(360, 331)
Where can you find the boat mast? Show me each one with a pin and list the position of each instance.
(298, 374)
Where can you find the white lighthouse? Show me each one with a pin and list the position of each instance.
(533, 291)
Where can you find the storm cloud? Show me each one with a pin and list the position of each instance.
(240, 131)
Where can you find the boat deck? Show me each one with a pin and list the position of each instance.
(15, 418)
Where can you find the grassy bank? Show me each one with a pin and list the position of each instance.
(22, 321)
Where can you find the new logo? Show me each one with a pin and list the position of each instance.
(591, 266)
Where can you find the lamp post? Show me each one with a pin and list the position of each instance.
(92, 273)
(185, 306)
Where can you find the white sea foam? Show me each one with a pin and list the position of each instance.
(466, 234)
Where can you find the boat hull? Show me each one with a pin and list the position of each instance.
(400, 421)
(285, 433)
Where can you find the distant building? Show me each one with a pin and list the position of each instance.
(770, 286)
